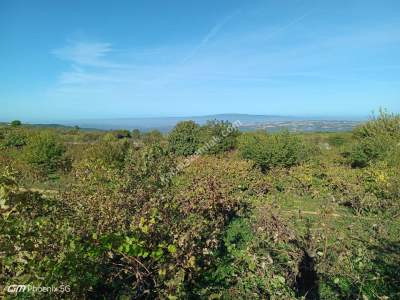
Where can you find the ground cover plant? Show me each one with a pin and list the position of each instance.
(141, 215)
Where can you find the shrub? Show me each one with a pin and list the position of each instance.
(372, 148)
(120, 221)
(121, 134)
(38, 247)
(45, 152)
(110, 153)
(16, 123)
(338, 139)
(7, 185)
(258, 260)
(14, 138)
(385, 124)
(136, 134)
(221, 136)
(359, 156)
(375, 140)
(154, 234)
(152, 137)
(184, 139)
(273, 150)
(383, 182)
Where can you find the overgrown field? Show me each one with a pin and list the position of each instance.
(131, 215)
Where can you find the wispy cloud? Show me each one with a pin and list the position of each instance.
(210, 34)
(87, 54)
(262, 58)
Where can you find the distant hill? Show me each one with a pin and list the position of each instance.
(53, 126)
(249, 122)
(166, 123)
(60, 126)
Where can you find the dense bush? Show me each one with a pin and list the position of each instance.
(121, 134)
(338, 140)
(152, 137)
(123, 232)
(160, 235)
(14, 138)
(38, 246)
(273, 150)
(258, 260)
(108, 152)
(214, 137)
(184, 139)
(136, 134)
(376, 140)
(45, 153)
(219, 136)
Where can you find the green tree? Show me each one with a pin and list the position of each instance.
(221, 135)
(184, 139)
(16, 123)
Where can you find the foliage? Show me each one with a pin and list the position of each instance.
(16, 123)
(13, 138)
(339, 140)
(149, 228)
(152, 137)
(108, 152)
(38, 248)
(258, 260)
(121, 134)
(45, 153)
(376, 140)
(188, 138)
(184, 139)
(136, 134)
(134, 221)
(273, 150)
(7, 185)
(221, 136)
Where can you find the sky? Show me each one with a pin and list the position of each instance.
(93, 59)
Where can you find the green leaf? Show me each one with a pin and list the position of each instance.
(336, 280)
(172, 249)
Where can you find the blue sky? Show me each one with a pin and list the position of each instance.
(65, 60)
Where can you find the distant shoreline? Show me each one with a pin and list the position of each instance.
(249, 123)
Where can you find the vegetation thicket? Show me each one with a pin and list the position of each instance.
(376, 140)
(273, 150)
(184, 139)
(222, 134)
(45, 153)
(256, 216)
(13, 138)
